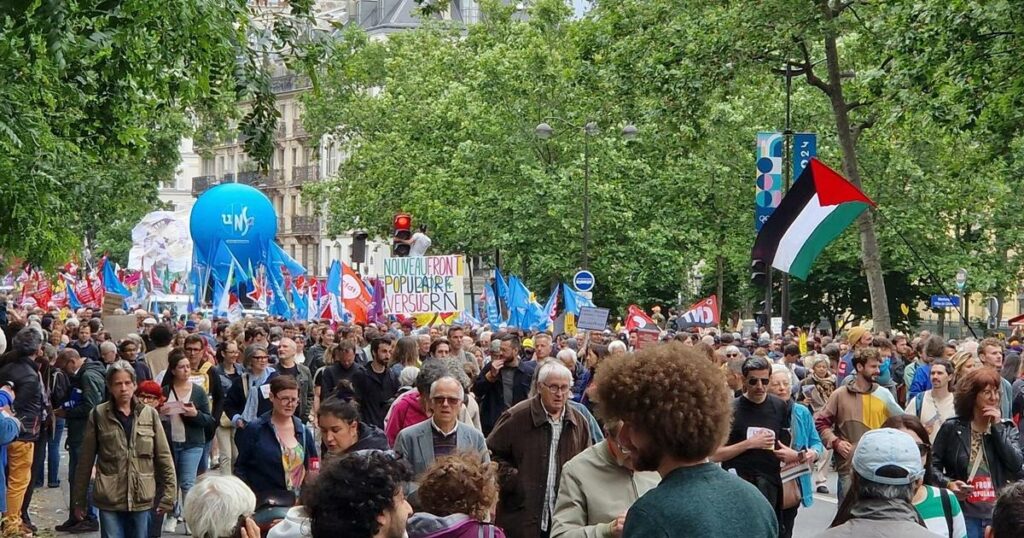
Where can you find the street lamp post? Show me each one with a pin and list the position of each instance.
(544, 131)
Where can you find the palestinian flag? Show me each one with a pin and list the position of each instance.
(819, 206)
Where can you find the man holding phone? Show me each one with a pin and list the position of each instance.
(760, 435)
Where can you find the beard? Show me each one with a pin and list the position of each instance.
(648, 458)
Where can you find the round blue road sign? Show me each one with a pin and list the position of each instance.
(583, 280)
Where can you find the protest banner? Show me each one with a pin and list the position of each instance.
(111, 302)
(423, 284)
(120, 326)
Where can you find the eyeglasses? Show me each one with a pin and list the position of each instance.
(753, 381)
(732, 354)
(288, 401)
(441, 400)
(557, 389)
(148, 397)
(925, 448)
(261, 357)
(193, 349)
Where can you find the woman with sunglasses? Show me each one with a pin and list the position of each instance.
(276, 452)
(938, 507)
(977, 453)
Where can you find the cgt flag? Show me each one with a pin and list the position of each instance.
(638, 319)
(703, 313)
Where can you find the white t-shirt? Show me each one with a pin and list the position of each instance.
(420, 244)
(933, 411)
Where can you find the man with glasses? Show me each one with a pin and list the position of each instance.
(442, 435)
(537, 437)
(760, 435)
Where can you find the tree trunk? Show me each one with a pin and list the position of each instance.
(870, 256)
(720, 278)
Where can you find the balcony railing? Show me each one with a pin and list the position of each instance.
(274, 180)
(305, 225)
(201, 184)
(305, 174)
(288, 83)
(251, 178)
(298, 131)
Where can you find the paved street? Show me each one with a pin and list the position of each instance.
(813, 520)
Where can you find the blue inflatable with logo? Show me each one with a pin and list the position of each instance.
(230, 223)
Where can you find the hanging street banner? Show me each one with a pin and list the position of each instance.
(418, 285)
(805, 147)
(769, 177)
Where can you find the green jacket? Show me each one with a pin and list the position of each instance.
(128, 472)
(91, 380)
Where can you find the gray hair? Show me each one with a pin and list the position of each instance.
(27, 341)
(219, 501)
(204, 326)
(884, 492)
(107, 347)
(552, 368)
(566, 354)
(457, 370)
(433, 386)
(119, 366)
(617, 346)
(408, 376)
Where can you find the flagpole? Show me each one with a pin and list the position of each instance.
(787, 135)
(931, 274)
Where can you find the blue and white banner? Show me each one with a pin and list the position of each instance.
(768, 193)
(805, 147)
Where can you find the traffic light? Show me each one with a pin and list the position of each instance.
(359, 246)
(402, 225)
(758, 273)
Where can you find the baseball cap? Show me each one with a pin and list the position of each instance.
(527, 344)
(888, 456)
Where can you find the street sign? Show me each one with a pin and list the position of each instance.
(945, 301)
(583, 280)
(593, 318)
(961, 279)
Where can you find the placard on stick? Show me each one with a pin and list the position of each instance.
(646, 337)
(120, 326)
(593, 318)
(111, 302)
(424, 284)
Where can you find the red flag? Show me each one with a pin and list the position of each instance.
(43, 293)
(84, 292)
(154, 279)
(59, 299)
(638, 319)
(97, 291)
(703, 313)
(357, 300)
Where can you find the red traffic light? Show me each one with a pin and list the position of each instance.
(403, 221)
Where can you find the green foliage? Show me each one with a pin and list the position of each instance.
(439, 122)
(98, 93)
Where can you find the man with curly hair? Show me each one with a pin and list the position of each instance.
(359, 496)
(675, 413)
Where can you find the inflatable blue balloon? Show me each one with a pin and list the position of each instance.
(237, 216)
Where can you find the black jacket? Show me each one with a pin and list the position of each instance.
(491, 395)
(951, 452)
(23, 373)
(375, 393)
(234, 402)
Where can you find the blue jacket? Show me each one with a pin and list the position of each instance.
(259, 455)
(805, 436)
(922, 380)
(9, 429)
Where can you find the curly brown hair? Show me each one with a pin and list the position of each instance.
(459, 484)
(671, 393)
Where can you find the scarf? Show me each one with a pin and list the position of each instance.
(824, 385)
(252, 400)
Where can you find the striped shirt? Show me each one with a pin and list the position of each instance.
(930, 510)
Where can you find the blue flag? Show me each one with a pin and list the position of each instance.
(549, 310)
(73, 301)
(501, 287)
(278, 304)
(279, 257)
(299, 302)
(111, 283)
(518, 303)
(493, 315)
(574, 301)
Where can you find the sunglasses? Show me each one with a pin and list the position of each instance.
(732, 354)
(441, 400)
(754, 381)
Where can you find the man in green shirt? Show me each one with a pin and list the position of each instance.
(676, 411)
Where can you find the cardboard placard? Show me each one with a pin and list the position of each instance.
(593, 318)
(111, 302)
(120, 327)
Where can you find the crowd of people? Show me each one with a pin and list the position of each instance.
(316, 429)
